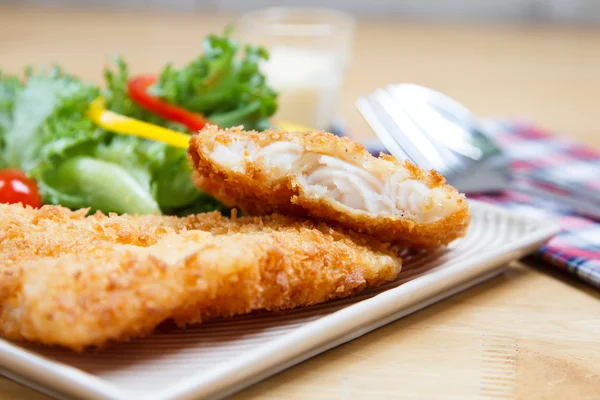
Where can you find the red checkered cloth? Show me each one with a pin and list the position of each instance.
(537, 155)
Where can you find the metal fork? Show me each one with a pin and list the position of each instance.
(436, 132)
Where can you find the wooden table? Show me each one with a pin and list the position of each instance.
(531, 333)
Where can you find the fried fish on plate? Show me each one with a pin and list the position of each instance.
(329, 178)
(76, 281)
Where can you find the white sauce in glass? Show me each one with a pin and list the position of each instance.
(308, 83)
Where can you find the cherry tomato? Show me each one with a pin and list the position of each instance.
(16, 187)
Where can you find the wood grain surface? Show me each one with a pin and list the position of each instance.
(531, 333)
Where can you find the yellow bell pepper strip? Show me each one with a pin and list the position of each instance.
(121, 124)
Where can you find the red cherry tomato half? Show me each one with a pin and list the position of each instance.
(16, 187)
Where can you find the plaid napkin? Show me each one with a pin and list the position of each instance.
(538, 156)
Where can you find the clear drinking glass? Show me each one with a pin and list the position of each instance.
(310, 49)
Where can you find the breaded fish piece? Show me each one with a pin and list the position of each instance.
(77, 281)
(329, 178)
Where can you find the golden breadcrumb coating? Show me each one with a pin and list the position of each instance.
(77, 281)
(320, 175)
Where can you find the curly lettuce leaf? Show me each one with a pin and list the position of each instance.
(172, 185)
(229, 90)
(35, 103)
(9, 87)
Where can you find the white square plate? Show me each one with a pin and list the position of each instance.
(218, 358)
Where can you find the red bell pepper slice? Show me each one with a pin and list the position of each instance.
(138, 91)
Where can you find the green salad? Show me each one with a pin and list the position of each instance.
(45, 130)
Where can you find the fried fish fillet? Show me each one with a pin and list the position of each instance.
(76, 281)
(330, 178)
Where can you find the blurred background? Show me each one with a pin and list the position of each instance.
(532, 59)
(554, 10)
